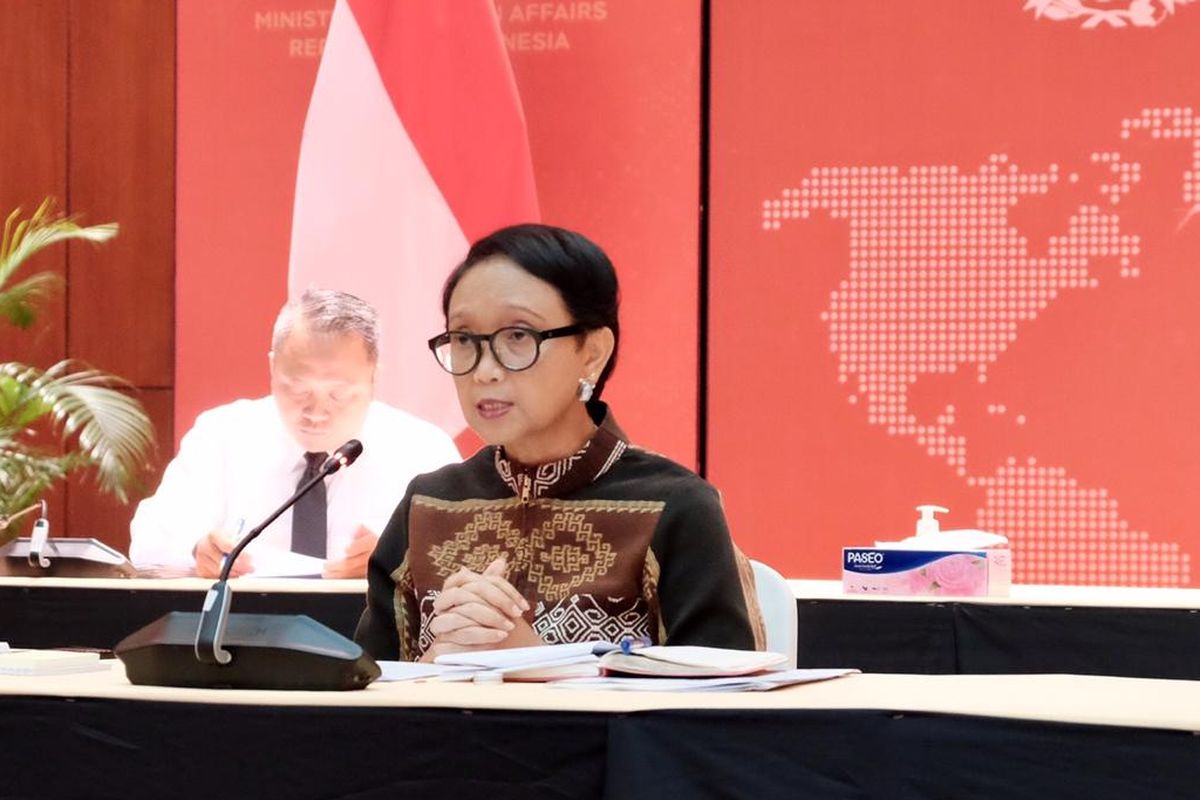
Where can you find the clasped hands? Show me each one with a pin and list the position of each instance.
(479, 611)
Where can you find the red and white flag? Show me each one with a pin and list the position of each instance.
(414, 146)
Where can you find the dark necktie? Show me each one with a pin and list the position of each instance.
(308, 515)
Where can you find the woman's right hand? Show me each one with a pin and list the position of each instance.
(475, 611)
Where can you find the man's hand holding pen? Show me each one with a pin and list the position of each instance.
(211, 552)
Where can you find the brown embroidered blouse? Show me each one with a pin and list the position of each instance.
(612, 541)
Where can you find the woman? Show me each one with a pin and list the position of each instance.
(559, 530)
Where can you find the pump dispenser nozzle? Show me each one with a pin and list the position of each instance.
(928, 523)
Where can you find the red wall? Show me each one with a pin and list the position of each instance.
(893, 318)
(612, 101)
(904, 198)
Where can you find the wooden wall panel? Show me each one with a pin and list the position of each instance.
(122, 125)
(88, 93)
(121, 167)
(33, 150)
(33, 161)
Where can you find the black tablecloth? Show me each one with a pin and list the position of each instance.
(124, 749)
(874, 636)
(964, 637)
(68, 616)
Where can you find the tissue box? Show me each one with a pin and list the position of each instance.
(960, 573)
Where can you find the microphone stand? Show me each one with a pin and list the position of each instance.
(214, 616)
(39, 535)
(265, 651)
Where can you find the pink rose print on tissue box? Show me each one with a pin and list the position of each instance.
(961, 574)
(911, 572)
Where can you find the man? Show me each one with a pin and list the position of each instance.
(242, 460)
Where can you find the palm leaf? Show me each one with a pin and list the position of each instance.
(17, 302)
(23, 238)
(26, 475)
(103, 428)
(112, 431)
(20, 405)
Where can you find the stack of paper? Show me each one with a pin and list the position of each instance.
(660, 664)
(543, 663)
(418, 671)
(49, 662)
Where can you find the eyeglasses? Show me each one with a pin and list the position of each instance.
(515, 348)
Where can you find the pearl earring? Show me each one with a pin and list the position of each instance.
(586, 388)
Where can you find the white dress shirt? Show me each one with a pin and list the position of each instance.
(238, 463)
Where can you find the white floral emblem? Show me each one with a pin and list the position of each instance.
(1138, 13)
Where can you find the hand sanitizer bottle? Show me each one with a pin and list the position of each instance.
(928, 523)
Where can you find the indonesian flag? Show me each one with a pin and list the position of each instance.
(414, 146)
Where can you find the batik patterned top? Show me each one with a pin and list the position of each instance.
(612, 541)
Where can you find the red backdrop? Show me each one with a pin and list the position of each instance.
(611, 93)
(951, 256)
(952, 261)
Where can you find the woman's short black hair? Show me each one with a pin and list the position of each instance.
(568, 261)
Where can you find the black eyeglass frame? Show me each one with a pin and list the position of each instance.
(479, 338)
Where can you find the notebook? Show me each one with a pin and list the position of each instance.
(541, 663)
(688, 661)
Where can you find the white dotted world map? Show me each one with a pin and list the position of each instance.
(938, 280)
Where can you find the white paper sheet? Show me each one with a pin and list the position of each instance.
(415, 670)
(271, 563)
(522, 657)
(747, 683)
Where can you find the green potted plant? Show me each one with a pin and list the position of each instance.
(68, 416)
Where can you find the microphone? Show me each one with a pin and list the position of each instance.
(214, 614)
(344, 456)
(38, 538)
(280, 652)
(39, 535)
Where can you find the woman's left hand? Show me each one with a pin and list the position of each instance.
(480, 611)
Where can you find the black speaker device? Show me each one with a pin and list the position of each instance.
(218, 650)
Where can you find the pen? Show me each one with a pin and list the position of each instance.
(631, 643)
(237, 535)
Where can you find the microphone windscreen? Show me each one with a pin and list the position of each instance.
(345, 455)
